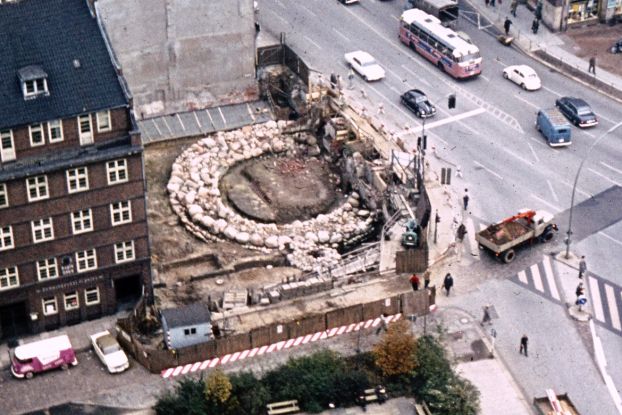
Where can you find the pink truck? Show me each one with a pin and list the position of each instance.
(42, 355)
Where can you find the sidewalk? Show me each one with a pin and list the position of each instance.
(78, 335)
(548, 47)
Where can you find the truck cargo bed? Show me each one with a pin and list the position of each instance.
(500, 234)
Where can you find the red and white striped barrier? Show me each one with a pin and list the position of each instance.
(278, 346)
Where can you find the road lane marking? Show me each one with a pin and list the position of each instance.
(312, 42)
(611, 167)
(552, 92)
(610, 238)
(488, 170)
(583, 192)
(545, 202)
(550, 277)
(341, 34)
(399, 78)
(308, 10)
(552, 190)
(525, 101)
(523, 277)
(484, 77)
(393, 104)
(604, 177)
(590, 134)
(537, 279)
(533, 152)
(613, 307)
(597, 305)
(516, 156)
(453, 118)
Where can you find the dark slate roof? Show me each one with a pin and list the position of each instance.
(188, 315)
(50, 35)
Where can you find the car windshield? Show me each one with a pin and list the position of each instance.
(584, 111)
(370, 62)
(420, 99)
(111, 348)
(468, 57)
(532, 75)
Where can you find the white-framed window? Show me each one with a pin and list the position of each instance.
(85, 129)
(55, 131)
(47, 269)
(4, 196)
(124, 251)
(36, 135)
(71, 300)
(91, 296)
(42, 230)
(35, 87)
(86, 260)
(49, 306)
(190, 332)
(103, 121)
(6, 238)
(121, 212)
(7, 148)
(82, 221)
(117, 171)
(9, 278)
(37, 188)
(77, 180)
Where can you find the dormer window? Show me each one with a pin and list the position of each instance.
(34, 82)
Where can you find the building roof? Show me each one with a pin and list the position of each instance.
(62, 39)
(187, 315)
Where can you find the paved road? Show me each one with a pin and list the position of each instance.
(491, 135)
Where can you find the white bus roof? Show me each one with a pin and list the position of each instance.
(444, 34)
(45, 347)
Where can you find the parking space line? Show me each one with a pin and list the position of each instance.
(551, 91)
(552, 206)
(419, 79)
(611, 167)
(341, 34)
(312, 42)
(488, 170)
(518, 97)
(552, 190)
(612, 239)
(533, 152)
(604, 177)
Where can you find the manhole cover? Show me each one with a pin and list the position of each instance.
(464, 320)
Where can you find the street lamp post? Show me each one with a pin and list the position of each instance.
(576, 179)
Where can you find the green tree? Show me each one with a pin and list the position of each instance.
(395, 354)
(187, 398)
(251, 395)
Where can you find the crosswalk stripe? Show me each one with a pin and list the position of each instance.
(523, 277)
(471, 237)
(613, 307)
(550, 278)
(537, 279)
(597, 305)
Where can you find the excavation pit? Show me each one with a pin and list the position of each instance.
(281, 189)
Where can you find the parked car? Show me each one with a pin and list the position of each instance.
(524, 76)
(40, 356)
(365, 65)
(109, 351)
(577, 111)
(417, 101)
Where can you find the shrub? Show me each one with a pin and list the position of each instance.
(187, 398)
(395, 354)
(250, 394)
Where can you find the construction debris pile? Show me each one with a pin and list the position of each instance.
(196, 198)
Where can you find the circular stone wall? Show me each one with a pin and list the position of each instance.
(195, 195)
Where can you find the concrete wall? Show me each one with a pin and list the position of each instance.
(178, 55)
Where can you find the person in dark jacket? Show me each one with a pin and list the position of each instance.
(448, 282)
(523, 344)
(506, 25)
(535, 25)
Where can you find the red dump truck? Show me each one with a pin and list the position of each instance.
(527, 226)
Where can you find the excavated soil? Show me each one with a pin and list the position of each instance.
(281, 189)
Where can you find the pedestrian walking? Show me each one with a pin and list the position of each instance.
(448, 282)
(465, 199)
(486, 318)
(513, 7)
(384, 322)
(492, 3)
(461, 232)
(350, 79)
(363, 93)
(380, 108)
(506, 25)
(592, 67)
(415, 281)
(535, 25)
(580, 290)
(333, 80)
(523, 344)
(582, 267)
(426, 279)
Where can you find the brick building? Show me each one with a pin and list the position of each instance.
(73, 227)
